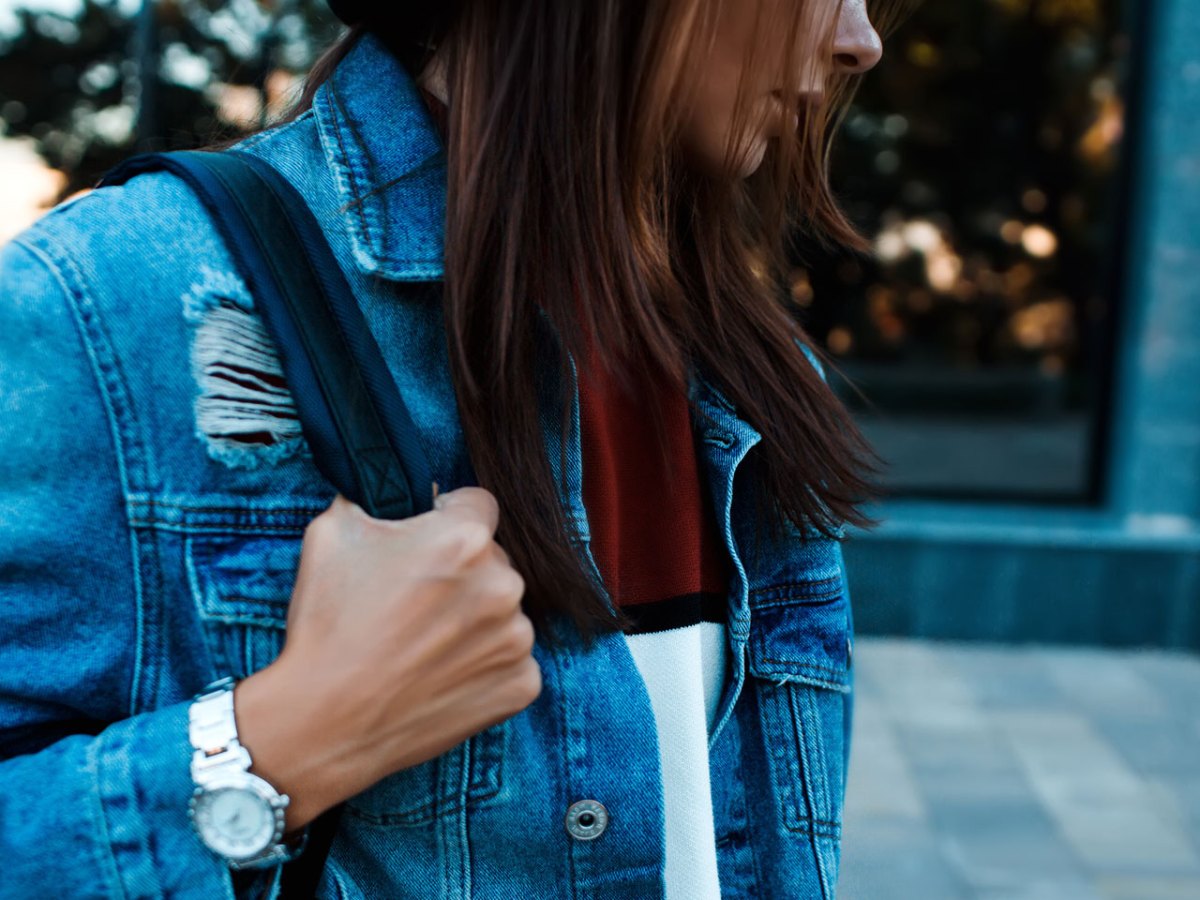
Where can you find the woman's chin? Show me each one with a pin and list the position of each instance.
(713, 165)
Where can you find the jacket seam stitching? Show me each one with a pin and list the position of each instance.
(248, 511)
(338, 110)
(563, 735)
(106, 858)
(218, 529)
(270, 134)
(799, 664)
(806, 787)
(202, 508)
(75, 295)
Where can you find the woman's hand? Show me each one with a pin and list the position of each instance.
(404, 638)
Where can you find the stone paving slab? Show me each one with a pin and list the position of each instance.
(1023, 773)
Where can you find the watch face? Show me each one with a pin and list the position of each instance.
(236, 822)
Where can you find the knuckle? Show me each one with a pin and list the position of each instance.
(529, 681)
(506, 583)
(499, 593)
(487, 499)
(524, 685)
(476, 536)
(488, 609)
(464, 540)
(521, 636)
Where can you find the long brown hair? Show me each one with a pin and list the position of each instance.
(567, 192)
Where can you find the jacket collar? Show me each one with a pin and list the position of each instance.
(389, 168)
(388, 163)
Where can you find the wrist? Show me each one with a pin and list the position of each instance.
(237, 814)
(281, 726)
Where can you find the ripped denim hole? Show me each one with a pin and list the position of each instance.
(244, 412)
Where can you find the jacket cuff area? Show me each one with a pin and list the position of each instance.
(106, 816)
(143, 777)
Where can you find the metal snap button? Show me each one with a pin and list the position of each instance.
(586, 819)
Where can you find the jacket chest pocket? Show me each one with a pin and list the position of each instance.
(798, 654)
(242, 586)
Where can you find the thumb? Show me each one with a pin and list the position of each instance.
(472, 503)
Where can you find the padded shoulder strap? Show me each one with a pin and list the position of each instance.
(361, 434)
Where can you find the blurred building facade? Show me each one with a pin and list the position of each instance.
(1046, 484)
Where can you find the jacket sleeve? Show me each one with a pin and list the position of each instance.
(93, 789)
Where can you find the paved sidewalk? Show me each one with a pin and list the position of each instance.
(983, 771)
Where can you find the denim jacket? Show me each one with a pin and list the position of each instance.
(144, 553)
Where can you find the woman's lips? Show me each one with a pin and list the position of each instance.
(788, 113)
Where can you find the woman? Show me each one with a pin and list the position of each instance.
(566, 226)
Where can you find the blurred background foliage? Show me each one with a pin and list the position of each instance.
(93, 81)
(984, 158)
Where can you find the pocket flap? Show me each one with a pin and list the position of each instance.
(801, 632)
(244, 578)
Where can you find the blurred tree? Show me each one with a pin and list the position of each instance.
(93, 87)
(983, 156)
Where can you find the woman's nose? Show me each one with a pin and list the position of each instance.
(857, 46)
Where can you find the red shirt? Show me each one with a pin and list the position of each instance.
(654, 533)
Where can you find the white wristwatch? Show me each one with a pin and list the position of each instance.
(237, 814)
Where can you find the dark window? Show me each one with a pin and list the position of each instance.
(986, 156)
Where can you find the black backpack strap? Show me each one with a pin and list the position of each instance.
(362, 436)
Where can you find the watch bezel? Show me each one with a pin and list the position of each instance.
(246, 782)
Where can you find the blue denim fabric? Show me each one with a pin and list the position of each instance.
(143, 554)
